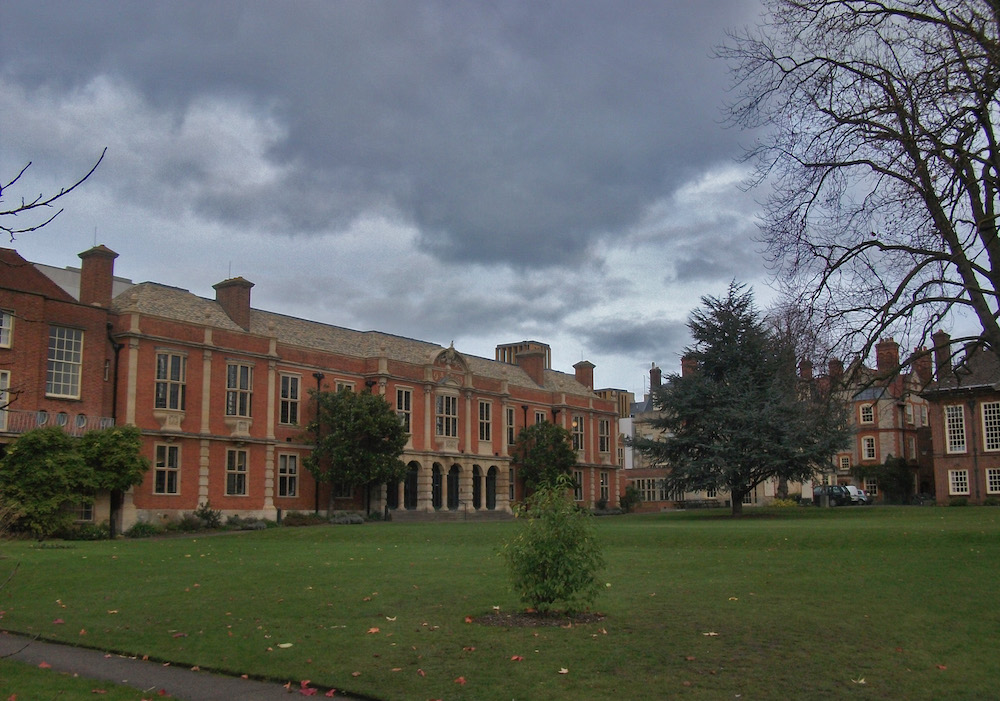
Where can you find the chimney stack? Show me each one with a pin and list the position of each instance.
(689, 366)
(585, 373)
(533, 363)
(655, 378)
(233, 295)
(97, 272)
(942, 353)
(835, 370)
(806, 370)
(887, 357)
(922, 366)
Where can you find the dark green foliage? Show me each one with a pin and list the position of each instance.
(543, 452)
(142, 529)
(555, 556)
(299, 518)
(359, 439)
(85, 531)
(115, 457)
(211, 518)
(894, 477)
(42, 477)
(630, 500)
(742, 416)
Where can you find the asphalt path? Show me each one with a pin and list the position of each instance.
(150, 677)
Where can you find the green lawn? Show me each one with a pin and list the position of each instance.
(800, 603)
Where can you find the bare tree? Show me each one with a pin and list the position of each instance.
(878, 137)
(42, 203)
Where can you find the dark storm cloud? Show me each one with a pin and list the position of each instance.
(516, 132)
(636, 337)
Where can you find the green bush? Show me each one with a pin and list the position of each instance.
(630, 500)
(555, 557)
(991, 501)
(86, 531)
(187, 523)
(142, 529)
(958, 501)
(211, 518)
(298, 518)
(785, 503)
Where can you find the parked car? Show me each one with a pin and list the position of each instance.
(838, 494)
(856, 494)
(865, 498)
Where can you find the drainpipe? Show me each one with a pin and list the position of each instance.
(116, 347)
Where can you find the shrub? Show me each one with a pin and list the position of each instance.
(991, 501)
(630, 500)
(958, 501)
(86, 531)
(211, 518)
(186, 523)
(298, 518)
(142, 529)
(785, 503)
(555, 557)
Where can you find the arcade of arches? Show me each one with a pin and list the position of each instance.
(455, 486)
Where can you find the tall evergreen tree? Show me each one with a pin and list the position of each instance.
(742, 416)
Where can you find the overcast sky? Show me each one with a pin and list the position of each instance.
(476, 172)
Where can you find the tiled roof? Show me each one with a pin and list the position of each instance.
(18, 274)
(979, 369)
(180, 305)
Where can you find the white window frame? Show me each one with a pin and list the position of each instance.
(404, 407)
(6, 328)
(954, 428)
(289, 393)
(908, 409)
(577, 485)
(485, 420)
(239, 389)
(605, 486)
(171, 380)
(868, 448)
(65, 362)
(341, 385)
(541, 417)
(446, 415)
(511, 432)
(288, 475)
(845, 463)
(166, 462)
(993, 480)
(958, 482)
(237, 473)
(990, 412)
(603, 435)
(577, 430)
(866, 414)
(871, 486)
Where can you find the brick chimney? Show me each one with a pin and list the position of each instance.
(655, 378)
(233, 295)
(942, 353)
(97, 272)
(689, 366)
(806, 370)
(923, 366)
(533, 363)
(887, 356)
(835, 369)
(585, 373)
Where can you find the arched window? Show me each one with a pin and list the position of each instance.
(491, 488)
(410, 487)
(392, 495)
(477, 487)
(453, 487)
(436, 500)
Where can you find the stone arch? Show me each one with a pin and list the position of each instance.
(437, 486)
(454, 481)
(410, 493)
(477, 487)
(491, 487)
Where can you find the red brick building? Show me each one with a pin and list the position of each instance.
(221, 392)
(965, 424)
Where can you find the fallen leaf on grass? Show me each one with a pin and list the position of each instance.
(460, 680)
(942, 666)
(330, 693)
(516, 658)
(44, 665)
(859, 681)
(180, 635)
(98, 691)
(355, 674)
(422, 673)
(563, 670)
(690, 658)
(711, 634)
(468, 619)
(470, 648)
(285, 646)
(390, 619)
(58, 621)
